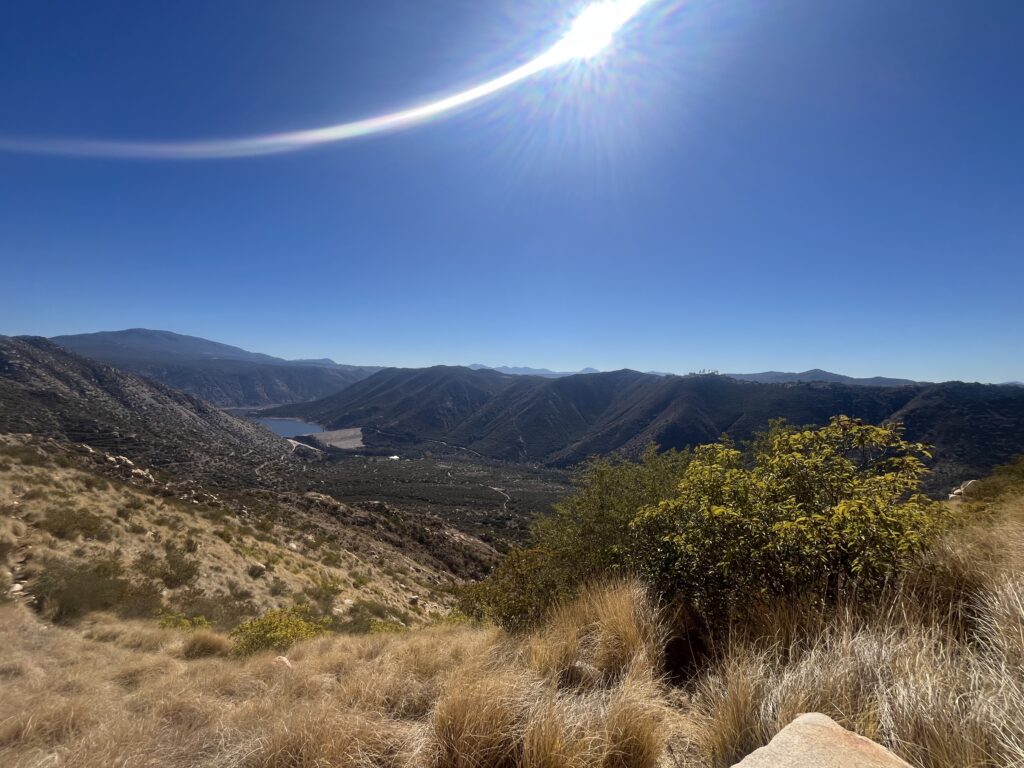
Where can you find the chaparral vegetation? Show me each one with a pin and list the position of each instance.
(673, 611)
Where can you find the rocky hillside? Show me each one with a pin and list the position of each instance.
(71, 514)
(219, 373)
(47, 391)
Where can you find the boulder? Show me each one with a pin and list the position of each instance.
(816, 741)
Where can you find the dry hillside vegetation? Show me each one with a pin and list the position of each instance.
(940, 682)
(926, 658)
(116, 692)
(74, 540)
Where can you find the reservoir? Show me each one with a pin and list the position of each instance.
(288, 427)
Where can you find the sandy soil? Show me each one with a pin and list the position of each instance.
(341, 438)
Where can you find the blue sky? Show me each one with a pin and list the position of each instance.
(736, 185)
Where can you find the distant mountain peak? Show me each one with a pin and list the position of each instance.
(219, 373)
(527, 371)
(819, 375)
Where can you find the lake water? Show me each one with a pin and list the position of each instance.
(289, 427)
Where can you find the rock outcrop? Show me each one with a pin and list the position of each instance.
(816, 741)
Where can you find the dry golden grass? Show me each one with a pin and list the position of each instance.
(110, 692)
(935, 672)
(940, 684)
(205, 642)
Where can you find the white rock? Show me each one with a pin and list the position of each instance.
(816, 741)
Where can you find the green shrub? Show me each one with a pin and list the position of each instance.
(588, 537)
(175, 570)
(805, 512)
(68, 523)
(26, 455)
(520, 592)
(382, 627)
(238, 592)
(256, 570)
(220, 609)
(68, 590)
(1004, 480)
(800, 512)
(276, 630)
(365, 615)
(322, 591)
(168, 620)
(331, 558)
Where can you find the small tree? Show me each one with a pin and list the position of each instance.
(809, 511)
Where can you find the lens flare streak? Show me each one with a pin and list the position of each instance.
(590, 33)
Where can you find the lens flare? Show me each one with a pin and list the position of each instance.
(590, 33)
(594, 29)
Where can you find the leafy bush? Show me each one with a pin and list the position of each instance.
(322, 591)
(1004, 480)
(68, 523)
(68, 590)
(520, 592)
(179, 569)
(365, 615)
(331, 558)
(256, 570)
(276, 630)
(220, 609)
(175, 570)
(806, 512)
(589, 537)
(382, 627)
(802, 511)
(181, 621)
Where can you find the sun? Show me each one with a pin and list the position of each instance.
(594, 29)
(590, 33)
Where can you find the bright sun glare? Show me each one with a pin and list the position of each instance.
(590, 33)
(595, 28)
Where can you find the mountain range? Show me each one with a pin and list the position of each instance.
(232, 377)
(766, 377)
(512, 414)
(525, 371)
(564, 420)
(48, 391)
(218, 373)
(780, 377)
